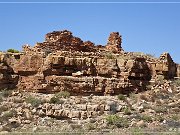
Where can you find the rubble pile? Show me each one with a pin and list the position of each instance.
(154, 110)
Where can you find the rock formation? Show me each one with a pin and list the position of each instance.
(8, 79)
(63, 41)
(178, 70)
(114, 42)
(66, 63)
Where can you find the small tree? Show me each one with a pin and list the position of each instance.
(12, 51)
(117, 121)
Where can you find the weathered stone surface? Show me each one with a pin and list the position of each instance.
(178, 70)
(63, 40)
(65, 62)
(114, 42)
(164, 67)
(8, 79)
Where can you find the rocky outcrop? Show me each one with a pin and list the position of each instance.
(80, 75)
(178, 70)
(114, 42)
(63, 40)
(164, 67)
(8, 79)
(66, 63)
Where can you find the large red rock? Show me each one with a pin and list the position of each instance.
(65, 62)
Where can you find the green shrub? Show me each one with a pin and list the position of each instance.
(90, 126)
(8, 114)
(3, 108)
(56, 100)
(117, 121)
(121, 97)
(146, 118)
(6, 93)
(12, 51)
(127, 111)
(33, 101)
(137, 131)
(175, 117)
(62, 94)
(160, 109)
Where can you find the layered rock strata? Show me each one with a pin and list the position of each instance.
(66, 63)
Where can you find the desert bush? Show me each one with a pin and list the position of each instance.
(117, 121)
(127, 111)
(62, 94)
(12, 51)
(146, 106)
(175, 117)
(90, 126)
(5, 93)
(146, 118)
(3, 108)
(121, 97)
(8, 114)
(160, 109)
(56, 100)
(35, 102)
(137, 131)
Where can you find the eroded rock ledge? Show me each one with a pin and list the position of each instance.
(64, 62)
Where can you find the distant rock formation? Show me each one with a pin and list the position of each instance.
(66, 63)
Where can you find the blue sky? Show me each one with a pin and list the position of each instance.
(151, 28)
